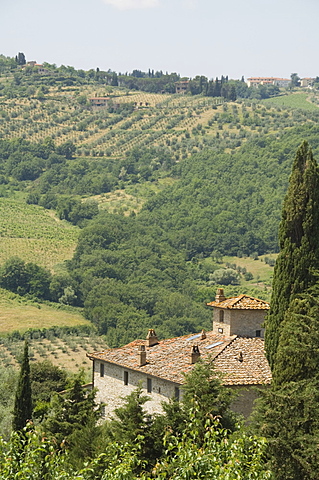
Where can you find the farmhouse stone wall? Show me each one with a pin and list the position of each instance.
(244, 323)
(111, 390)
(244, 402)
(111, 387)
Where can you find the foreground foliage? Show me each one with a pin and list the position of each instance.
(34, 457)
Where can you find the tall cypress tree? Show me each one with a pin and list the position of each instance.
(288, 415)
(23, 401)
(299, 244)
(289, 410)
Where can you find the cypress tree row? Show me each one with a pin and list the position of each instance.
(299, 244)
(23, 402)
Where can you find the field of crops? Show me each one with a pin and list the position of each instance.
(34, 234)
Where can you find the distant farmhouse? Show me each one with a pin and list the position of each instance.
(279, 82)
(99, 101)
(235, 345)
(38, 67)
(181, 87)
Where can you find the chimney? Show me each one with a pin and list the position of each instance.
(141, 355)
(220, 297)
(151, 338)
(195, 354)
(203, 335)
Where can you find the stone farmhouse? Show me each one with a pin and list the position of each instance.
(235, 345)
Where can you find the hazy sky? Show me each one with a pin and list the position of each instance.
(190, 37)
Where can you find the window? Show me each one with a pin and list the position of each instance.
(125, 377)
(102, 411)
(149, 385)
(101, 369)
(220, 330)
(176, 394)
(221, 316)
(258, 333)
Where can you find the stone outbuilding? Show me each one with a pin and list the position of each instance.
(158, 366)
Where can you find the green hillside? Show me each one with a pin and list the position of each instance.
(147, 193)
(34, 234)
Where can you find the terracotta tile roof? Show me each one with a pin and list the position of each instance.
(243, 362)
(170, 358)
(267, 78)
(243, 302)
(99, 98)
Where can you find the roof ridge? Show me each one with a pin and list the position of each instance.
(226, 346)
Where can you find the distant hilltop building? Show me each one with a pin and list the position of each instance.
(307, 82)
(279, 82)
(181, 87)
(38, 67)
(235, 345)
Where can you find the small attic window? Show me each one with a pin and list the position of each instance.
(221, 316)
(258, 333)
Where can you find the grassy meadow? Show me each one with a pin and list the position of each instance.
(19, 313)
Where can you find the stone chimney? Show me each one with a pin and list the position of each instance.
(220, 297)
(151, 338)
(141, 355)
(195, 354)
(203, 335)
